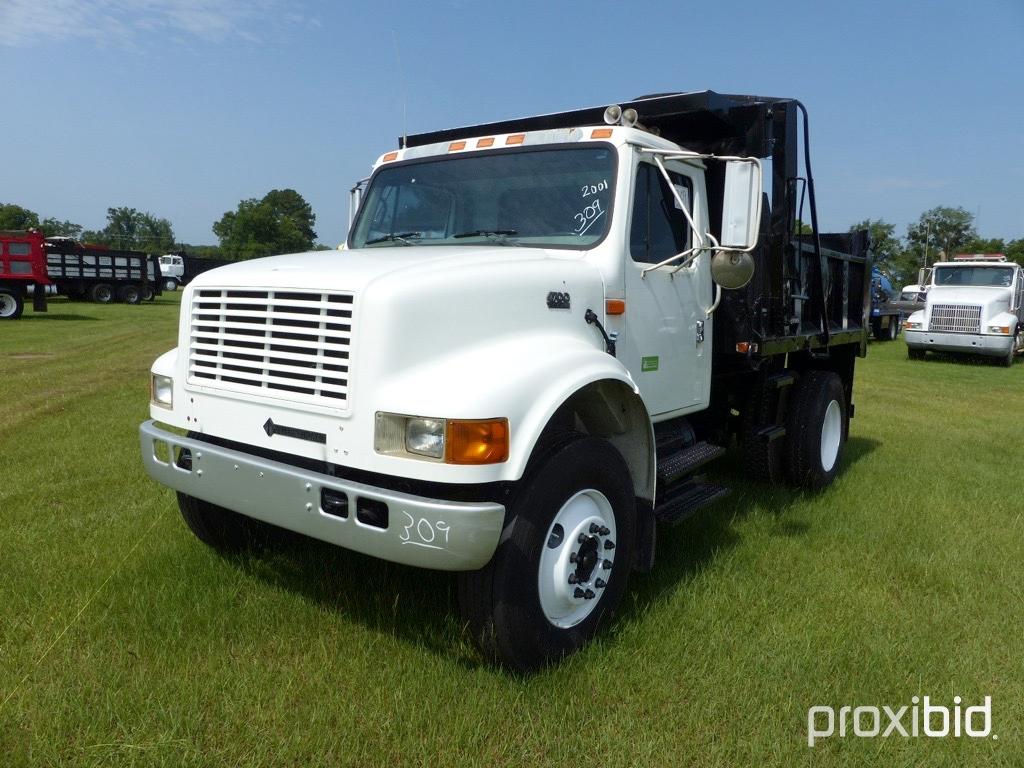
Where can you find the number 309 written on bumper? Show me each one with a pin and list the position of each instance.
(425, 533)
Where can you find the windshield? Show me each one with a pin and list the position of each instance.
(556, 198)
(997, 277)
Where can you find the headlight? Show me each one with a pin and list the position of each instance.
(425, 437)
(1001, 329)
(454, 441)
(161, 390)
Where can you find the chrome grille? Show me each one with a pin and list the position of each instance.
(278, 343)
(955, 318)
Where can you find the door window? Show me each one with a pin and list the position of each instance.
(658, 229)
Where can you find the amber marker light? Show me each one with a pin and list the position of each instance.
(488, 142)
(516, 138)
(390, 156)
(615, 307)
(477, 441)
(601, 133)
(456, 146)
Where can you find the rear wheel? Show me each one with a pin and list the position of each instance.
(816, 429)
(130, 294)
(894, 328)
(560, 573)
(11, 304)
(101, 293)
(148, 294)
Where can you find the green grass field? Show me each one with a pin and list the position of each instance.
(124, 641)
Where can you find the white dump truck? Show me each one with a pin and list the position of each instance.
(974, 304)
(536, 336)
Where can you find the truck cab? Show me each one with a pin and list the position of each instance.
(536, 335)
(172, 271)
(974, 304)
(22, 272)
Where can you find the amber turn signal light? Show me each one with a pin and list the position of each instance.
(477, 441)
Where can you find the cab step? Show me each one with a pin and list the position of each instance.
(678, 465)
(686, 500)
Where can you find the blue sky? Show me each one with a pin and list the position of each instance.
(185, 107)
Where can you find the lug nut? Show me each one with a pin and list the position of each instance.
(606, 565)
(579, 593)
(595, 528)
(609, 544)
(573, 578)
(573, 557)
(581, 538)
(600, 583)
(590, 594)
(605, 530)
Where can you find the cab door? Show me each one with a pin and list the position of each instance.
(666, 340)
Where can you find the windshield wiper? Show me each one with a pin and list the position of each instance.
(400, 237)
(498, 234)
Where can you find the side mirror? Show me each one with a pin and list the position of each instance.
(741, 205)
(924, 276)
(733, 267)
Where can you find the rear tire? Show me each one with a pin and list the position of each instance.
(529, 607)
(894, 329)
(130, 294)
(220, 528)
(11, 304)
(816, 429)
(101, 293)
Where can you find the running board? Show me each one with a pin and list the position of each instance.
(678, 465)
(687, 500)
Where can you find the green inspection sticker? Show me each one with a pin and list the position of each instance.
(649, 363)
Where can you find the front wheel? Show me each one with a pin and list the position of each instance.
(816, 429)
(11, 304)
(1008, 360)
(564, 563)
(170, 285)
(220, 528)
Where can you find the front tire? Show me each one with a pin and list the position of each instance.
(1008, 360)
(170, 285)
(11, 304)
(220, 528)
(816, 429)
(564, 562)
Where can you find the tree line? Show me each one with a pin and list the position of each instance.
(940, 233)
(282, 222)
(279, 222)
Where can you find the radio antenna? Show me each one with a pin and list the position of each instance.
(401, 82)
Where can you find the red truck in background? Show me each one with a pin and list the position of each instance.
(76, 270)
(22, 264)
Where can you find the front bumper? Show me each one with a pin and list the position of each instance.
(980, 344)
(430, 533)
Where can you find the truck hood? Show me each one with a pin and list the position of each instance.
(356, 270)
(993, 298)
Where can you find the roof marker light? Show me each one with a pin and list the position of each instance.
(601, 133)
(488, 142)
(455, 146)
(389, 157)
(516, 138)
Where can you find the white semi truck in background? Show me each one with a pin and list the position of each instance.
(536, 336)
(974, 304)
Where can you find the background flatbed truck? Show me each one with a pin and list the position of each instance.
(538, 334)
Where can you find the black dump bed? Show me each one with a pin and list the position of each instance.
(67, 259)
(809, 292)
